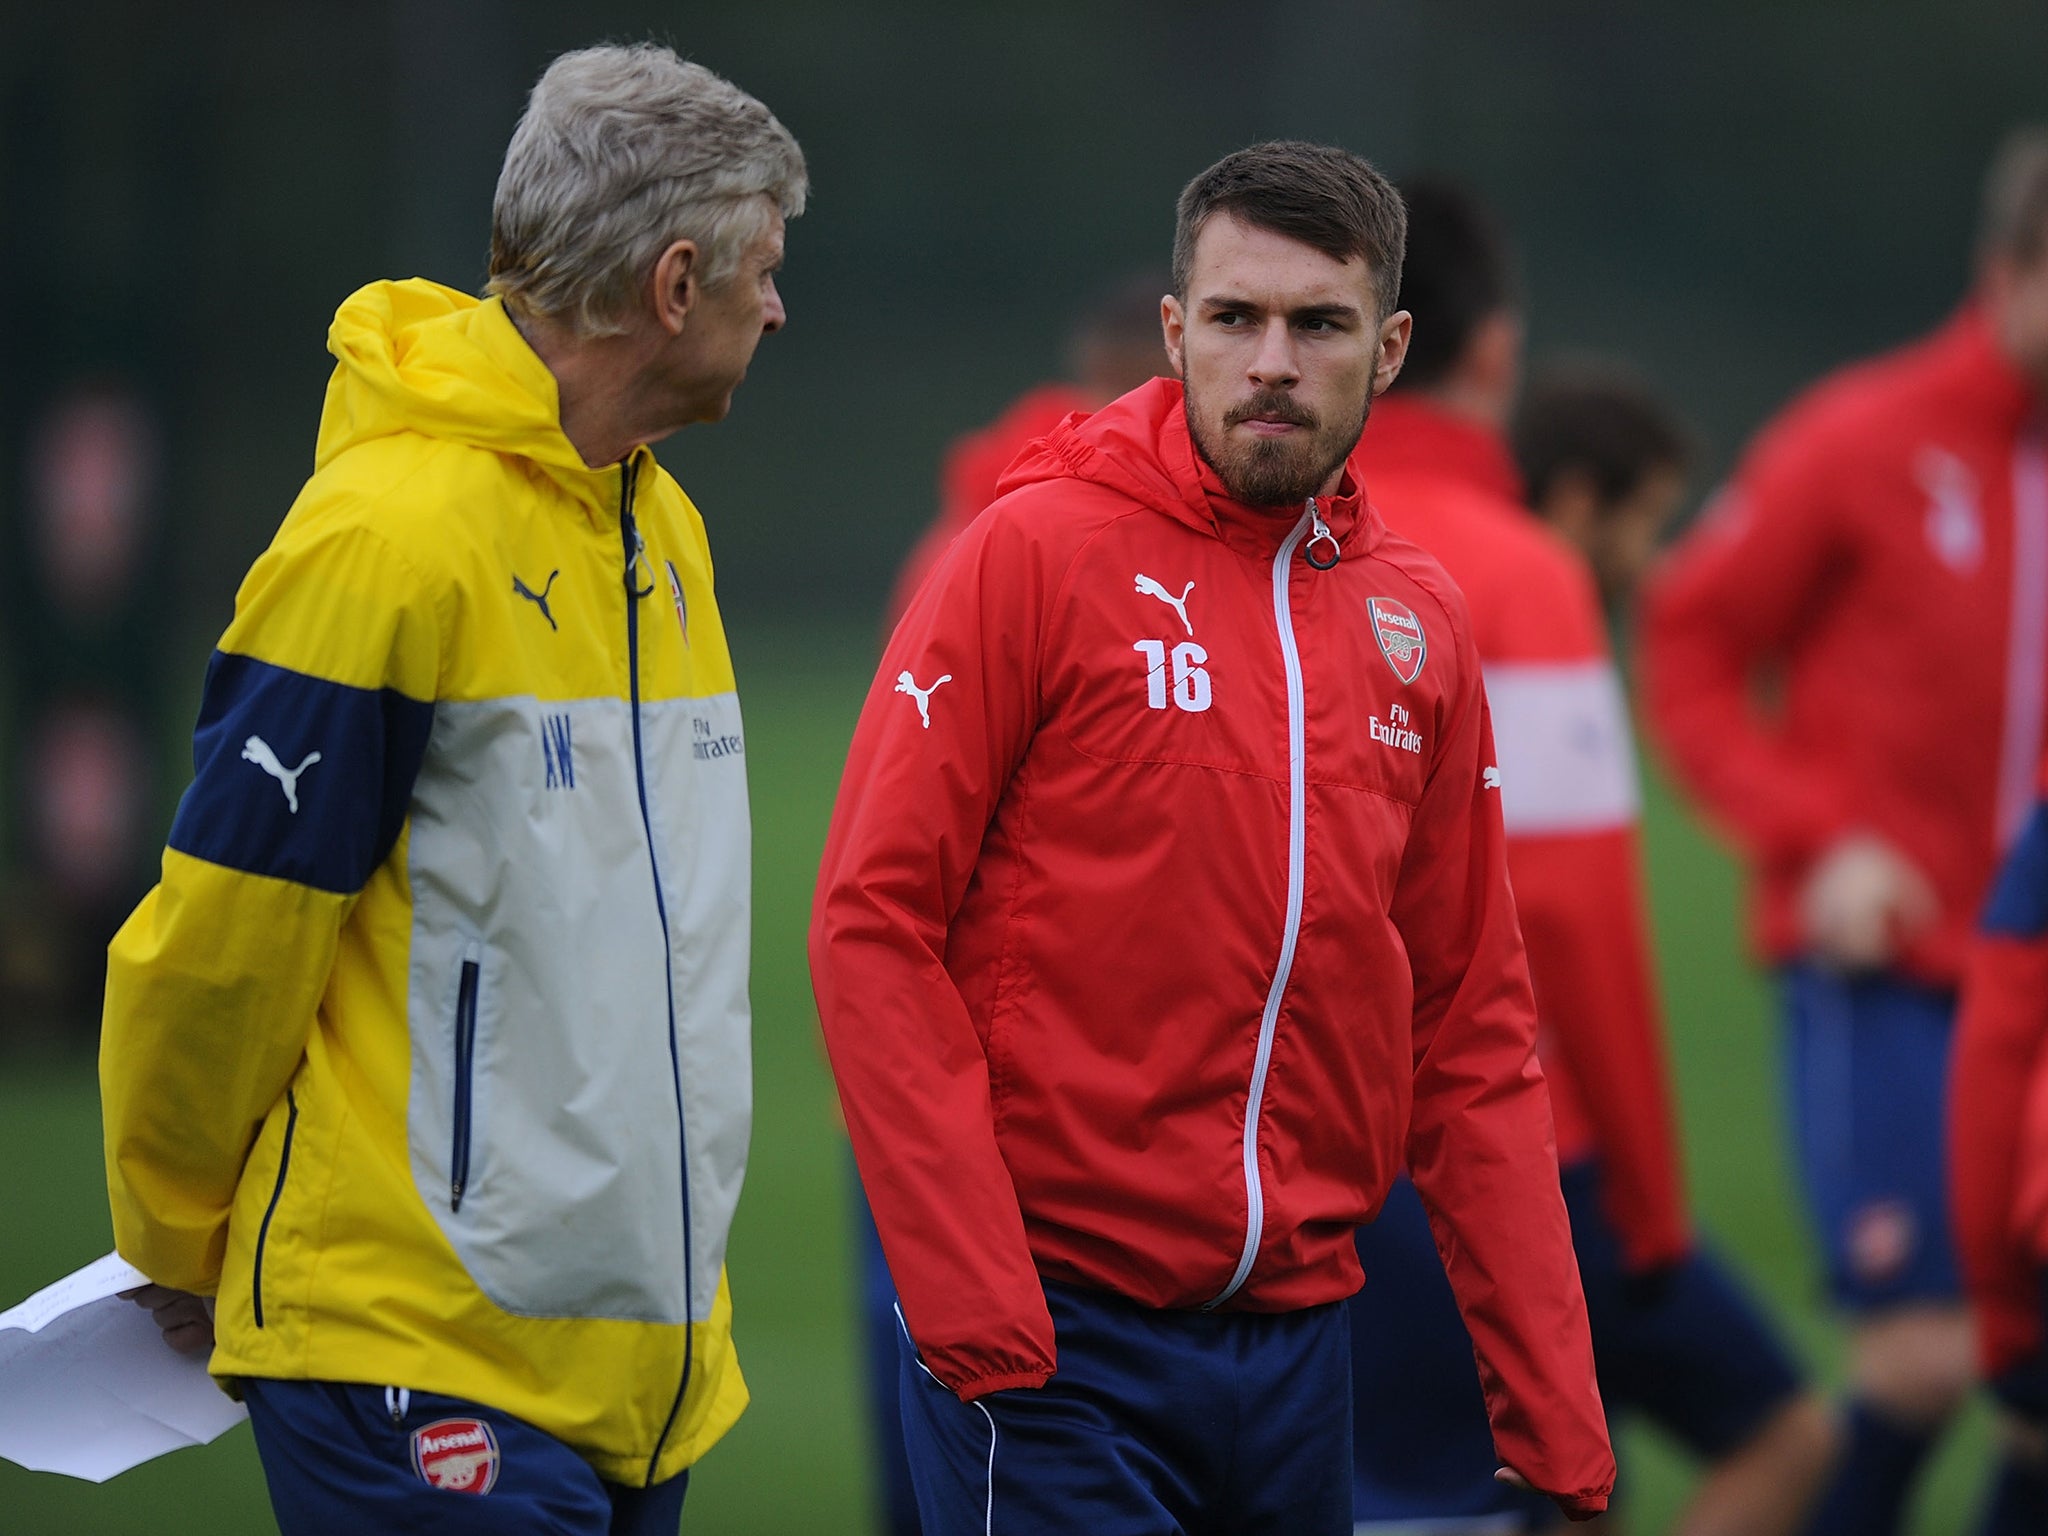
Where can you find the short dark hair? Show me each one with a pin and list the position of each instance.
(1460, 272)
(1323, 196)
(2015, 218)
(1600, 419)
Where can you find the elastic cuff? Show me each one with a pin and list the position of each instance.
(981, 1386)
(1581, 1506)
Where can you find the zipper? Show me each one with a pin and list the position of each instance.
(635, 553)
(284, 1163)
(1321, 537)
(465, 1076)
(1297, 838)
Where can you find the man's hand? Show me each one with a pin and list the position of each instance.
(1862, 901)
(186, 1320)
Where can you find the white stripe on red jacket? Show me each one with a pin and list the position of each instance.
(1560, 724)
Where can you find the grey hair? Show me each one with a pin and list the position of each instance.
(2015, 219)
(621, 151)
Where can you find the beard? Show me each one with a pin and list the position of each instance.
(1274, 472)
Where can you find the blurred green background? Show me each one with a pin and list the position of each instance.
(1735, 194)
(795, 1463)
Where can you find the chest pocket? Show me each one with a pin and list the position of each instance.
(1373, 665)
(1170, 655)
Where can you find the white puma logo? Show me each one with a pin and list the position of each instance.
(256, 750)
(1489, 778)
(905, 683)
(1150, 588)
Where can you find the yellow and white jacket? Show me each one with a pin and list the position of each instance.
(430, 1052)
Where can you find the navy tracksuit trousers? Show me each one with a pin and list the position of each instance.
(1157, 1423)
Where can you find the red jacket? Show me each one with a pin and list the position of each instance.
(1998, 1107)
(1568, 797)
(968, 476)
(1880, 563)
(1163, 915)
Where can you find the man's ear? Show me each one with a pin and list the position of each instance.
(676, 287)
(1394, 333)
(1173, 322)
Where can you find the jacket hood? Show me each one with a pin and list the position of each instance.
(1139, 446)
(416, 357)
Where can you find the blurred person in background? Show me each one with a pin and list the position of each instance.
(1998, 1168)
(1845, 661)
(1114, 347)
(1142, 977)
(1603, 460)
(1675, 1337)
(427, 1061)
(81, 608)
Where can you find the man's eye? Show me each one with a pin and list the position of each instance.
(1229, 319)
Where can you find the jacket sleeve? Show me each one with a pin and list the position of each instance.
(1479, 1145)
(1727, 602)
(1581, 906)
(2001, 1056)
(1570, 799)
(312, 725)
(923, 779)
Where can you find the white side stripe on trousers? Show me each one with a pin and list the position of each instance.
(988, 1518)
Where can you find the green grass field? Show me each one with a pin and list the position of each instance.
(795, 1463)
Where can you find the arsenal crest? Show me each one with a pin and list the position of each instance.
(459, 1455)
(1400, 636)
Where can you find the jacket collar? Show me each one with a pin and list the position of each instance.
(1966, 355)
(1409, 435)
(1260, 531)
(416, 357)
(1140, 446)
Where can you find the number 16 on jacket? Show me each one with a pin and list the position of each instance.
(1190, 677)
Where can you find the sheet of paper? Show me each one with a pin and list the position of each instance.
(88, 1387)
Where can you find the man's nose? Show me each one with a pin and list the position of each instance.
(1274, 364)
(773, 316)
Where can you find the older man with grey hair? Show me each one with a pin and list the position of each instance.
(426, 1067)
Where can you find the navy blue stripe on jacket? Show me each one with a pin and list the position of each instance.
(299, 778)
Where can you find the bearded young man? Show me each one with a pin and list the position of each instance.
(1164, 915)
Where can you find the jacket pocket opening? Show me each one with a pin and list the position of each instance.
(284, 1163)
(465, 1073)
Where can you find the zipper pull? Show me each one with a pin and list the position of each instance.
(1322, 535)
(637, 556)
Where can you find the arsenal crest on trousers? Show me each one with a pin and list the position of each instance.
(460, 1455)
(1400, 636)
